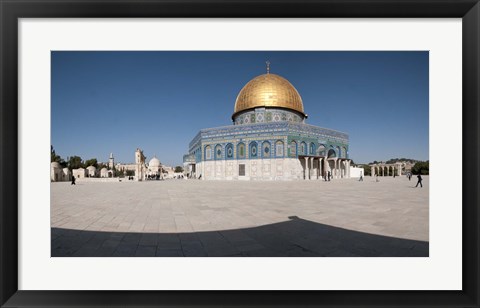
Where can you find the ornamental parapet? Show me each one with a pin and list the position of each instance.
(274, 129)
(189, 158)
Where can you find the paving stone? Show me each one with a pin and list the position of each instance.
(340, 218)
(193, 249)
(125, 250)
(169, 252)
(149, 239)
(146, 251)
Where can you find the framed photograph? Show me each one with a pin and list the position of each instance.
(252, 154)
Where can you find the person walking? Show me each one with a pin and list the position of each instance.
(73, 180)
(419, 177)
(361, 177)
(329, 174)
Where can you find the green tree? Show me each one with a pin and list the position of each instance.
(91, 162)
(421, 167)
(367, 169)
(130, 173)
(178, 169)
(56, 158)
(75, 162)
(394, 160)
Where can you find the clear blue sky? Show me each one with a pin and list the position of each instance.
(106, 102)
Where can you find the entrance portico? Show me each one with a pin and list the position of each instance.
(316, 167)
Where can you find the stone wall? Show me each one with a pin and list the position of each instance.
(254, 169)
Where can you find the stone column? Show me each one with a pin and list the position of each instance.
(339, 168)
(342, 168)
(334, 171)
(348, 169)
(325, 166)
(307, 171)
(311, 169)
(336, 167)
(318, 169)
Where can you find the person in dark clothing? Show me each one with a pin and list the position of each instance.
(73, 181)
(329, 175)
(419, 177)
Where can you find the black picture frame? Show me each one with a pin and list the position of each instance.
(12, 10)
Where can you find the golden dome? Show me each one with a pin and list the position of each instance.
(268, 90)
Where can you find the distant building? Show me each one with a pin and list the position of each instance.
(91, 172)
(79, 173)
(59, 174)
(397, 168)
(154, 168)
(111, 161)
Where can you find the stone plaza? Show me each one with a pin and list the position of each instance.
(192, 218)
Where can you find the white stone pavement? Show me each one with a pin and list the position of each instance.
(241, 218)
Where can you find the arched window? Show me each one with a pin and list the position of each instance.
(321, 150)
(279, 148)
(331, 153)
(292, 149)
(208, 152)
(266, 149)
(253, 149)
(303, 148)
(218, 151)
(312, 148)
(229, 151)
(241, 150)
(344, 152)
(339, 153)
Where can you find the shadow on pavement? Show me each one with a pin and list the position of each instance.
(295, 237)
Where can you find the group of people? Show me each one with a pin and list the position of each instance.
(419, 177)
(152, 177)
(409, 176)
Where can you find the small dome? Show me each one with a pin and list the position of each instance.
(55, 165)
(103, 169)
(154, 162)
(91, 168)
(268, 90)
